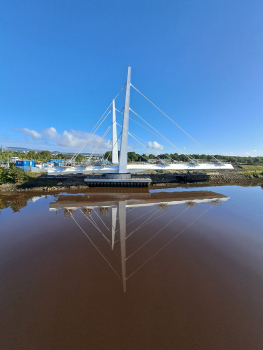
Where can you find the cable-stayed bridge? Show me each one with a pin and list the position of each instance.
(119, 164)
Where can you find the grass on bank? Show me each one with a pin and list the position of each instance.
(248, 170)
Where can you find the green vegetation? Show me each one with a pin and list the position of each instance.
(12, 174)
(16, 175)
(253, 170)
(42, 156)
(107, 155)
(79, 158)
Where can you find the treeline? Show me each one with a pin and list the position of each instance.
(135, 157)
(42, 156)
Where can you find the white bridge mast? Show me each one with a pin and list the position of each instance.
(115, 157)
(125, 127)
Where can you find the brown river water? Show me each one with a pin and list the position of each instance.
(173, 268)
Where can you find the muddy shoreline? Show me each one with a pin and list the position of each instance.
(76, 183)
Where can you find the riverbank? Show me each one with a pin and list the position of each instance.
(247, 175)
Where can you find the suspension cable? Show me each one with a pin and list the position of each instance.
(167, 244)
(144, 127)
(156, 218)
(143, 223)
(173, 160)
(148, 147)
(94, 245)
(92, 132)
(90, 135)
(88, 138)
(139, 143)
(173, 122)
(155, 234)
(107, 240)
(191, 159)
(137, 218)
(93, 222)
(105, 134)
(135, 136)
(101, 220)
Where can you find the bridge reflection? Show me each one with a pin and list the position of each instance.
(106, 213)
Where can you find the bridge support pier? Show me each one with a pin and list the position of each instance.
(118, 180)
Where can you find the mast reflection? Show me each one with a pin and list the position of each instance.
(96, 205)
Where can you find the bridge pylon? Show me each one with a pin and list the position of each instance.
(125, 127)
(115, 158)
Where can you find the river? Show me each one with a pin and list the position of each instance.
(169, 268)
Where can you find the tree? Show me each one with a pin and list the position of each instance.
(60, 156)
(79, 158)
(152, 156)
(132, 156)
(142, 158)
(175, 156)
(196, 156)
(44, 155)
(183, 158)
(107, 155)
(202, 156)
(162, 156)
(32, 155)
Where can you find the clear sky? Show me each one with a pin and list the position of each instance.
(201, 62)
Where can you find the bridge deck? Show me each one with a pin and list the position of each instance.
(136, 167)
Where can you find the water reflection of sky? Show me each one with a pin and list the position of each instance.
(157, 215)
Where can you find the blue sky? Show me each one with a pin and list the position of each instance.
(201, 62)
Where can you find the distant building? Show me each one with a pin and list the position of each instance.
(57, 162)
(61, 161)
(14, 159)
(94, 156)
(1, 149)
(25, 164)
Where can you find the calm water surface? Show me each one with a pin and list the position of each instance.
(167, 269)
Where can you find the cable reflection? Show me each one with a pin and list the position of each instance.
(166, 203)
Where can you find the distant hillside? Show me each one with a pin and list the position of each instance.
(16, 149)
(22, 149)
